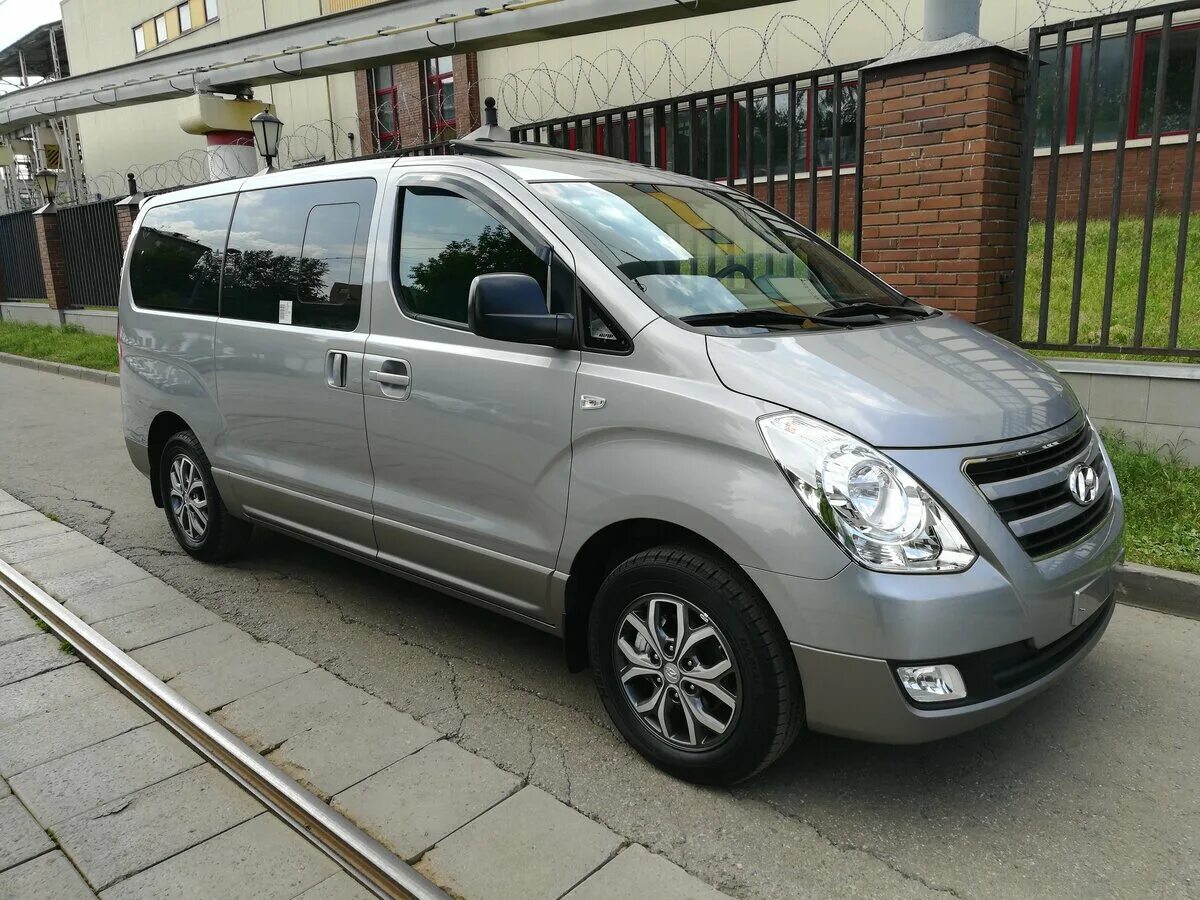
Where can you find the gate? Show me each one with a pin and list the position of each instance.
(1108, 185)
(792, 142)
(92, 252)
(20, 263)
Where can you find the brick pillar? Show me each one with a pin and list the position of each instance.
(941, 164)
(126, 211)
(50, 250)
(365, 100)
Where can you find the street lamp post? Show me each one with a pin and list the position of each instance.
(267, 129)
(47, 182)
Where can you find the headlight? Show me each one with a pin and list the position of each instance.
(882, 515)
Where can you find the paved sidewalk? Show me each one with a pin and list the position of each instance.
(97, 798)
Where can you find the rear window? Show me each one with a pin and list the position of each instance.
(297, 254)
(176, 262)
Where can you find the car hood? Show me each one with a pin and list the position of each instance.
(935, 383)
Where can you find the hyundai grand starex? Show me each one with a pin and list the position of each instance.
(752, 487)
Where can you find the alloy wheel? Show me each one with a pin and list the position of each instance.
(189, 499)
(677, 671)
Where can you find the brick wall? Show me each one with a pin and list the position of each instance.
(1172, 159)
(50, 252)
(942, 155)
(364, 102)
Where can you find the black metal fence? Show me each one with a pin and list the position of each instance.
(92, 252)
(793, 142)
(20, 264)
(1108, 185)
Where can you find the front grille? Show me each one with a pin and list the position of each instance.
(1029, 490)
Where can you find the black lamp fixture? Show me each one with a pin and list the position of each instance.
(267, 129)
(47, 182)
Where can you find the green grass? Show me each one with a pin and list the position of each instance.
(69, 344)
(1160, 286)
(1162, 504)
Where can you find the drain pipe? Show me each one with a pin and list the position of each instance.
(946, 18)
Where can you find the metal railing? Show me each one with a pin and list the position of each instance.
(782, 140)
(1131, 278)
(20, 264)
(91, 252)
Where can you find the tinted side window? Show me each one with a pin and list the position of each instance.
(445, 241)
(297, 254)
(176, 262)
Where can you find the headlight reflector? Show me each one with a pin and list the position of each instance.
(879, 513)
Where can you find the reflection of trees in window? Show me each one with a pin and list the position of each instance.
(439, 285)
(173, 271)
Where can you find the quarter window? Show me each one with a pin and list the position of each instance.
(176, 262)
(445, 241)
(297, 254)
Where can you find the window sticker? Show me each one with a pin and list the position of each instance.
(285, 312)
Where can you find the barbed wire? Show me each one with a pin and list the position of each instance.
(654, 69)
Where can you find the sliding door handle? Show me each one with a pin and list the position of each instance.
(392, 379)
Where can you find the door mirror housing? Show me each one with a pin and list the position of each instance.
(509, 306)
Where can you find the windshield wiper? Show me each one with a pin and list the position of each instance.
(747, 317)
(870, 307)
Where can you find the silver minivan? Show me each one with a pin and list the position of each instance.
(752, 487)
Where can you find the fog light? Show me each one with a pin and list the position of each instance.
(932, 684)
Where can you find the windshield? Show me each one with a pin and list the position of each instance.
(711, 257)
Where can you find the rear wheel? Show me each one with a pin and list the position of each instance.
(692, 667)
(197, 516)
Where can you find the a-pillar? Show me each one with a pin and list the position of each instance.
(941, 163)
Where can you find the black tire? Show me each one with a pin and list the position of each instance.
(223, 536)
(770, 704)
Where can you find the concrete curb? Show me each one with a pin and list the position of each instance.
(64, 369)
(1161, 590)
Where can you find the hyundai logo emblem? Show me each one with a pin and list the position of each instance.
(1084, 484)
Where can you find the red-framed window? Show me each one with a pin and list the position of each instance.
(1139, 93)
(439, 92)
(668, 145)
(386, 113)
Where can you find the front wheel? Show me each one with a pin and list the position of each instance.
(692, 667)
(197, 516)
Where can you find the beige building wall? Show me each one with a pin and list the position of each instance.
(147, 139)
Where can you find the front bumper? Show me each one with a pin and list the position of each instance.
(859, 697)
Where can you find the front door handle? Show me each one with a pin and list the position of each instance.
(392, 376)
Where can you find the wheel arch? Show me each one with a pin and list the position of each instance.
(165, 425)
(600, 554)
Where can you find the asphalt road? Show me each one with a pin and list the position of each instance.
(1092, 790)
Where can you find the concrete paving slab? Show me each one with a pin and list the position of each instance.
(16, 624)
(124, 598)
(21, 837)
(117, 571)
(269, 717)
(237, 673)
(31, 656)
(414, 803)
(4, 791)
(155, 623)
(85, 779)
(51, 690)
(130, 834)
(636, 872)
(57, 544)
(38, 739)
(340, 887)
(9, 505)
(531, 846)
(324, 761)
(44, 567)
(48, 877)
(16, 536)
(258, 860)
(169, 658)
(20, 519)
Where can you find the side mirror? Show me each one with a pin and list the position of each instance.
(507, 306)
